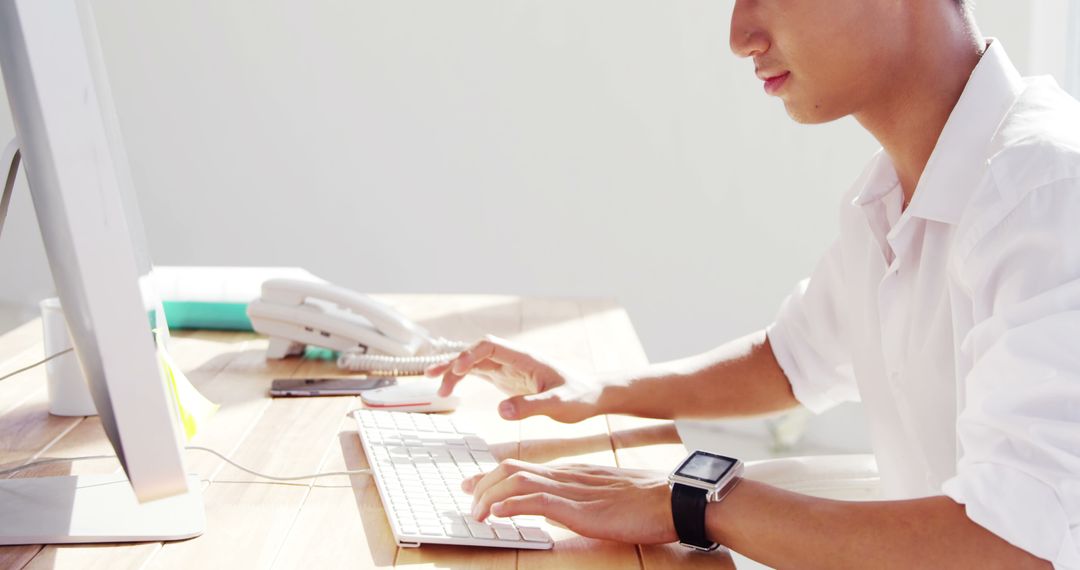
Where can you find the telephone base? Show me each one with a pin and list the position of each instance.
(282, 347)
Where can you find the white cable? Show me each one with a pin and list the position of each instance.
(446, 350)
(38, 363)
(275, 478)
(50, 461)
(196, 448)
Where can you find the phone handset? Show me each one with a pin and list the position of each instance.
(296, 292)
(369, 335)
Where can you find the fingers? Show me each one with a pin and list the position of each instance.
(559, 509)
(456, 369)
(472, 355)
(479, 356)
(495, 350)
(449, 380)
(482, 369)
(437, 369)
(519, 484)
(477, 484)
(576, 473)
(520, 407)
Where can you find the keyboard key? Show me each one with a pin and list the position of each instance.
(458, 530)
(443, 424)
(445, 505)
(483, 457)
(533, 534)
(528, 521)
(423, 510)
(388, 437)
(423, 423)
(480, 530)
(462, 426)
(461, 456)
(428, 516)
(431, 530)
(505, 531)
(410, 529)
(476, 443)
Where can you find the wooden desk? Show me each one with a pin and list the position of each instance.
(339, 521)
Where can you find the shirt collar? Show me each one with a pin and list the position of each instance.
(959, 158)
(877, 181)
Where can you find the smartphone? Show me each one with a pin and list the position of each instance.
(344, 386)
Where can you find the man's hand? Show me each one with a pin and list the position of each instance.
(599, 502)
(536, 387)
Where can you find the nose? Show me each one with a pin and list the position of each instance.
(747, 38)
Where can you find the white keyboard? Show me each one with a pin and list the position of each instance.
(419, 461)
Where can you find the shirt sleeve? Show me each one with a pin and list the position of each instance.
(809, 341)
(1019, 425)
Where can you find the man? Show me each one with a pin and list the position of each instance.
(950, 305)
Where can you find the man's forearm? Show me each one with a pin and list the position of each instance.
(740, 378)
(787, 530)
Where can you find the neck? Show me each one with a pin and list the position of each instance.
(925, 88)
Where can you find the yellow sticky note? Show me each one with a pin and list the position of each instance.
(192, 407)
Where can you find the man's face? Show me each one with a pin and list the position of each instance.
(824, 59)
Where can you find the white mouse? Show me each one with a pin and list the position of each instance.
(409, 396)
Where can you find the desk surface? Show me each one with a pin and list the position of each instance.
(339, 521)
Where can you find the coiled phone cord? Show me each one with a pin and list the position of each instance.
(445, 351)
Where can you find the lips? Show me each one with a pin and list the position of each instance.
(774, 82)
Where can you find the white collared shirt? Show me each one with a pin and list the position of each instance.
(957, 321)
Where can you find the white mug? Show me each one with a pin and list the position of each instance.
(69, 395)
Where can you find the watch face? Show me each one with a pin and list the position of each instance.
(707, 467)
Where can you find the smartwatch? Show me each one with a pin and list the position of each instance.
(700, 479)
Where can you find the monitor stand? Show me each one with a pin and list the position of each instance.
(94, 508)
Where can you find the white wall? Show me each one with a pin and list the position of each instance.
(565, 148)
(606, 148)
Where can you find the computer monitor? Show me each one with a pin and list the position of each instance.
(82, 192)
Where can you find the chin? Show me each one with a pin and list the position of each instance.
(810, 114)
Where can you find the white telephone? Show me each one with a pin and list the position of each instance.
(369, 335)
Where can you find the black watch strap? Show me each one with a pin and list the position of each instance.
(688, 510)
